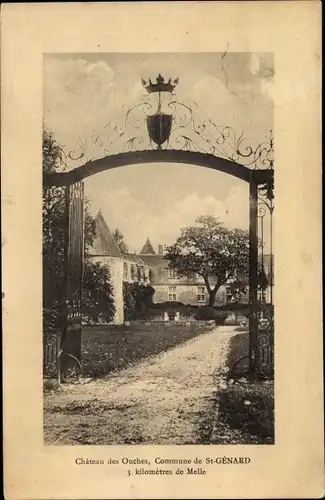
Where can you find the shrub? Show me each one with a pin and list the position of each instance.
(168, 305)
(206, 313)
(152, 314)
(237, 308)
(171, 307)
(171, 311)
(129, 301)
(137, 298)
(98, 294)
(233, 306)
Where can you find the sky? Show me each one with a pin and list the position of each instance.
(83, 92)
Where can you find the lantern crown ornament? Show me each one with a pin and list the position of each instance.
(160, 85)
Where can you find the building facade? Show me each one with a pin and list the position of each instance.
(151, 268)
(173, 288)
(123, 267)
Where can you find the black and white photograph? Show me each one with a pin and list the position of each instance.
(158, 261)
(161, 220)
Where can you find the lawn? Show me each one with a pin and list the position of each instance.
(246, 414)
(108, 349)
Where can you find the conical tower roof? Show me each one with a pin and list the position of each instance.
(104, 243)
(147, 248)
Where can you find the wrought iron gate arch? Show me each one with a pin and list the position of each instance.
(260, 181)
(196, 158)
(257, 180)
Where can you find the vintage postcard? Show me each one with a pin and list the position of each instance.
(162, 250)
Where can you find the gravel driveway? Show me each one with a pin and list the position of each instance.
(162, 400)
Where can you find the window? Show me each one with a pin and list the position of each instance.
(172, 293)
(172, 273)
(228, 294)
(201, 293)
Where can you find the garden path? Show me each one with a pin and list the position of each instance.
(162, 400)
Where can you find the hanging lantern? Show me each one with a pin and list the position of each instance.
(159, 125)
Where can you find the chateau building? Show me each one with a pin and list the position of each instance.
(151, 267)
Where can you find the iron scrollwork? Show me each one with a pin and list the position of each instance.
(265, 212)
(51, 349)
(266, 190)
(265, 343)
(161, 121)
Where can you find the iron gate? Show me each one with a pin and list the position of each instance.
(192, 138)
(62, 333)
(74, 262)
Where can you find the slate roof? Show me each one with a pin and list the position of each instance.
(154, 260)
(133, 257)
(147, 248)
(104, 243)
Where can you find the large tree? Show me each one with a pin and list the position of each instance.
(98, 292)
(212, 251)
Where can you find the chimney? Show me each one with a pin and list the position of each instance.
(160, 249)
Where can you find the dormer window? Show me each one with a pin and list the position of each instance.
(172, 273)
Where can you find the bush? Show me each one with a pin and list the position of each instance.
(171, 307)
(233, 306)
(237, 308)
(129, 300)
(98, 293)
(207, 313)
(137, 298)
(152, 314)
(250, 408)
(167, 305)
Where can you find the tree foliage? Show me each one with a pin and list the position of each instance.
(119, 239)
(98, 293)
(137, 298)
(212, 251)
